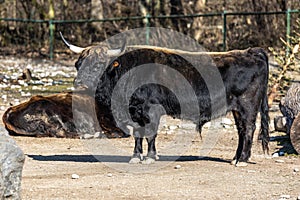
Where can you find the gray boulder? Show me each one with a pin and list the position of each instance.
(11, 164)
(290, 105)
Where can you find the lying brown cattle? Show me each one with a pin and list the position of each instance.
(59, 115)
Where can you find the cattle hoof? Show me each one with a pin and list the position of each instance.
(241, 164)
(135, 160)
(233, 162)
(148, 161)
(156, 157)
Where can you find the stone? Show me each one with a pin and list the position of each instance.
(275, 155)
(296, 169)
(227, 121)
(173, 127)
(88, 136)
(279, 161)
(227, 126)
(298, 198)
(177, 167)
(75, 176)
(97, 135)
(11, 165)
(280, 124)
(109, 175)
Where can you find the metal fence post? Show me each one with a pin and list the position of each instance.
(51, 36)
(224, 30)
(288, 31)
(147, 28)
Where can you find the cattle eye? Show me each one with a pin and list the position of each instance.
(115, 64)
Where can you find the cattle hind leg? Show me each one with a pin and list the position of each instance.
(246, 126)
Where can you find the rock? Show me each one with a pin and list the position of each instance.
(173, 127)
(298, 198)
(296, 170)
(227, 126)
(177, 167)
(109, 175)
(97, 135)
(11, 165)
(227, 121)
(88, 136)
(280, 123)
(279, 161)
(275, 155)
(75, 176)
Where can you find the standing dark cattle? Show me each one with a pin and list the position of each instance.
(244, 74)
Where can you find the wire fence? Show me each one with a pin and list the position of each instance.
(41, 35)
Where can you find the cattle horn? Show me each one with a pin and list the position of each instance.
(117, 52)
(72, 47)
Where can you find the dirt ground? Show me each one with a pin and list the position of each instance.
(51, 162)
(103, 171)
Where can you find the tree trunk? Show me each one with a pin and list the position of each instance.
(97, 13)
(145, 9)
(177, 9)
(198, 22)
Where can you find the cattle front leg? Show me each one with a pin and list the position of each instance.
(137, 156)
(151, 155)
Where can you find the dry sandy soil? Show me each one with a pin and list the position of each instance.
(104, 172)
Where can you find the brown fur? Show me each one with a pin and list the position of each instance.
(52, 116)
